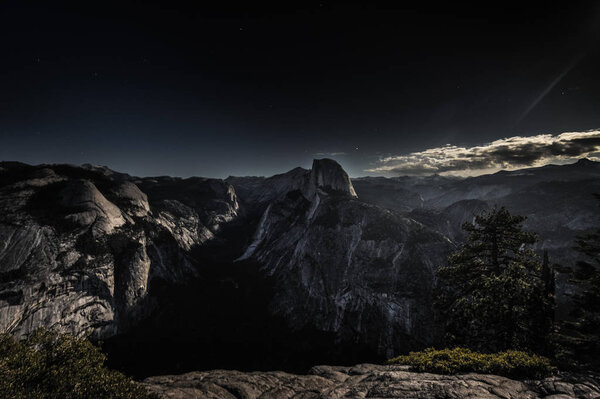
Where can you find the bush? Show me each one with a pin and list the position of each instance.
(513, 364)
(47, 365)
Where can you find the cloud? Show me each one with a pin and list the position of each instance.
(508, 153)
(328, 154)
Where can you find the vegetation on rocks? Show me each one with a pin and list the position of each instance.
(495, 302)
(512, 364)
(47, 365)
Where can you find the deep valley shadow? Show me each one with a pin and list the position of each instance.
(222, 322)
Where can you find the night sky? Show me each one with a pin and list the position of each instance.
(174, 88)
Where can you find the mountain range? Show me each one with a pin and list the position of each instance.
(282, 272)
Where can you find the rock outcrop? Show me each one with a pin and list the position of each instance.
(327, 175)
(90, 209)
(348, 267)
(79, 247)
(351, 268)
(366, 381)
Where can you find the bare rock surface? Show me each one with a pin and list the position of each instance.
(90, 208)
(80, 246)
(328, 175)
(343, 265)
(350, 268)
(366, 381)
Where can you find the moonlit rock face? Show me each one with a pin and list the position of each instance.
(131, 193)
(350, 268)
(79, 247)
(343, 266)
(325, 177)
(90, 207)
(328, 175)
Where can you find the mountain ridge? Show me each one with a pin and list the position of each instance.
(349, 262)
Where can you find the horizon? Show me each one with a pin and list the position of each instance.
(569, 161)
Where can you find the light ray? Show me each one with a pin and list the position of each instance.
(551, 86)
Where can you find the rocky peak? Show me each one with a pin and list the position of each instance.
(328, 175)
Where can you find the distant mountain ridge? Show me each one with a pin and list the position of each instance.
(557, 199)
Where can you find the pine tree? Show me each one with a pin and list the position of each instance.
(547, 320)
(548, 277)
(580, 336)
(492, 295)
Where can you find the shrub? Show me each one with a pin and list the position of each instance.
(47, 365)
(513, 364)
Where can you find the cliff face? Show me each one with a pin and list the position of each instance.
(351, 268)
(328, 176)
(82, 248)
(348, 267)
(79, 247)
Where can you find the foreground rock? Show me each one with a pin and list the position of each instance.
(365, 381)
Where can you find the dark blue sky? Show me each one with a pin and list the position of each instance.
(186, 89)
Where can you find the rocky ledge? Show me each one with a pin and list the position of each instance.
(366, 381)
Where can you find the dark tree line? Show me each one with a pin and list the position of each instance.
(578, 338)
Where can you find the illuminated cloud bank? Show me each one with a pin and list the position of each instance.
(509, 153)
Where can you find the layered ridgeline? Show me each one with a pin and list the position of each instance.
(250, 272)
(86, 250)
(557, 200)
